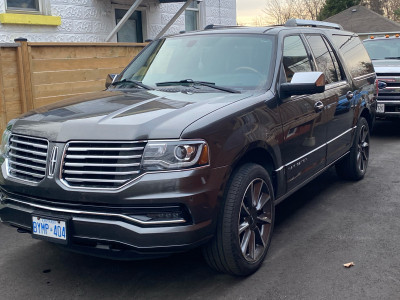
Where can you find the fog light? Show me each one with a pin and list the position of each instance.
(165, 217)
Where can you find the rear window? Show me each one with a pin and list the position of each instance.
(354, 54)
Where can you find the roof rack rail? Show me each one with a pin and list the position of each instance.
(312, 23)
(213, 26)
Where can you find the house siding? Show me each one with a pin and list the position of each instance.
(93, 20)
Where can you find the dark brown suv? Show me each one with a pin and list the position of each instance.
(193, 144)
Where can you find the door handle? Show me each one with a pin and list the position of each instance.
(349, 95)
(319, 106)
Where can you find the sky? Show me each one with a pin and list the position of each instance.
(248, 10)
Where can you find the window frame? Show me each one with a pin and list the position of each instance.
(198, 10)
(43, 8)
(310, 57)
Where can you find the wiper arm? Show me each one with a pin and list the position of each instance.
(202, 83)
(132, 82)
(393, 57)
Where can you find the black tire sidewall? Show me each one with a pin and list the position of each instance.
(233, 200)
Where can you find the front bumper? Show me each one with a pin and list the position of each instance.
(121, 231)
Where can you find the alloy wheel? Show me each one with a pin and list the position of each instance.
(255, 220)
(363, 149)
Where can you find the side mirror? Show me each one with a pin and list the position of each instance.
(304, 83)
(110, 79)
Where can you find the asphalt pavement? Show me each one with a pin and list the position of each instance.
(326, 224)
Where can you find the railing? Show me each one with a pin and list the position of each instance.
(37, 74)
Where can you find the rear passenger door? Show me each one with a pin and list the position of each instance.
(339, 97)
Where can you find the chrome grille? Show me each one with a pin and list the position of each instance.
(27, 157)
(101, 164)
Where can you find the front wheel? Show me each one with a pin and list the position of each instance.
(245, 223)
(354, 166)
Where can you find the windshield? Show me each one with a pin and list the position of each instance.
(383, 49)
(235, 61)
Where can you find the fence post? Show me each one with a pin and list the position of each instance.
(25, 74)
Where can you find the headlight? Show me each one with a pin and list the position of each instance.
(169, 155)
(5, 138)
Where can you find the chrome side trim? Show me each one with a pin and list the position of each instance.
(364, 76)
(91, 213)
(295, 189)
(308, 153)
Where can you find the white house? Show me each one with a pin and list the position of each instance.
(100, 20)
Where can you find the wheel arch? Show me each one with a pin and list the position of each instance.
(262, 154)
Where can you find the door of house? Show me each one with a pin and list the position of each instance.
(132, 29)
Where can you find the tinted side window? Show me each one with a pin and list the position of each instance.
(354, 53)
(336, 62)
(323, 58)
(295, 58)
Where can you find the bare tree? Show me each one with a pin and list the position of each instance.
(391, 9)
(279, 11)
(314, 8)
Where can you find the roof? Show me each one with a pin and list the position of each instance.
(360, 19)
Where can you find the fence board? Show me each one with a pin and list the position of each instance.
(36, 74)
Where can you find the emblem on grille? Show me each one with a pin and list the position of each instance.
(52, 162)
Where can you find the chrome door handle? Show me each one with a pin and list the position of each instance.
(319, 106)
(349, 95)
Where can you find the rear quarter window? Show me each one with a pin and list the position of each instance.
(355, 56)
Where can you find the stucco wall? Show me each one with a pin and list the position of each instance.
(93, 20)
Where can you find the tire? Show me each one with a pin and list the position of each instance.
(354, 166)
(243, 224)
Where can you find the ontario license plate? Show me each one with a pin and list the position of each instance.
(49, 228)
(380, 108)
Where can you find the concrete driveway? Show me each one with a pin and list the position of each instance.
(326, 224)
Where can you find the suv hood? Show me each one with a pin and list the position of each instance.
(387, 66)
(122, 115)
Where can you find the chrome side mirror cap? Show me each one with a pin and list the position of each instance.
(304, 83)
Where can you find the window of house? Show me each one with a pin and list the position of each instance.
(132, 30)
(192, 17)
(23, 5)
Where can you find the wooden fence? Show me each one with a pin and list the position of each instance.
(36, 74)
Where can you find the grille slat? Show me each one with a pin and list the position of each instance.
(100, 172)
(28, 143)
(12, 162)
(103, 165)
(26, 173)
(105, 149)
(27, 157)
(28, 151)
(102, 156)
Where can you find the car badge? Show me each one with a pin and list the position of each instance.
(52, 162)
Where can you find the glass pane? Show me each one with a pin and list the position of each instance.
(226, 60)
(354, 53)
(132, 29)
(23, 4)
(295, 58)
(190, 20)
(323, 58)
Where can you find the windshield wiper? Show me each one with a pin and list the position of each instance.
(192, 82)
(393, 57)
(132, 82)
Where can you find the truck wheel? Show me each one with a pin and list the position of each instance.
(354, 165)
(245, 223)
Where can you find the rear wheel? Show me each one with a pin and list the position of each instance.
(354, 166)
(245, 223)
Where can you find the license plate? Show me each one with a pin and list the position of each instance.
(380, 108)
(49, 228)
